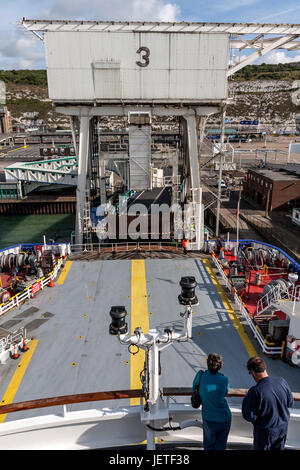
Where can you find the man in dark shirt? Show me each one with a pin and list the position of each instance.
(218, 245)
(266, 407)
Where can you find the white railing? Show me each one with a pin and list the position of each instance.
(292, 294)
(12, 338)
(275, 295)
(172, 180)
(268, 348)
(30, 291)
(123, 246)
(119, 427)
(268, 299)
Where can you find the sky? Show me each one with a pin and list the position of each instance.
(21, 49)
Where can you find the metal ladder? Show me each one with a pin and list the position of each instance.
(271, 299)
(87, 223)
(268, 300)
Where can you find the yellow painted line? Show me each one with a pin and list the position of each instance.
(18, 376)
(236, 322)
(145, 442)
(64, 273)
(19, 148)
(139, 318)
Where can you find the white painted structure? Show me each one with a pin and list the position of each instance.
(56, 171)
(293, 149)
(296, 216)
(157, 177)
(104, 68)
(139, 134)
(136, 66)
(105, 427)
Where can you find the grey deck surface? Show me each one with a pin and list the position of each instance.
(76, 354)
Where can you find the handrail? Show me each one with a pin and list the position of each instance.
(130, 246)
(108, 395)
(266, 301)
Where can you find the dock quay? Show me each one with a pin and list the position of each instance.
(39, 204)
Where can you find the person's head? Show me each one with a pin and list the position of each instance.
(257, 368)
(214, 362)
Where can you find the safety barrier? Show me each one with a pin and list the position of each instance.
(12, 338)
(267, 347)
(124, 246)
(16, 339)
(110, 395)
(30, 291)
(117, 427)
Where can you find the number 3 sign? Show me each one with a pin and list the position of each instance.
(145, 56)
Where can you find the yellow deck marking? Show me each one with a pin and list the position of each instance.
(139, 318)
(145, 442)
(19, 148)
(18, 376)
(236, 322)
(64, 272)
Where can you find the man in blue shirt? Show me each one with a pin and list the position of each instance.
(266, 407)
(216, 415)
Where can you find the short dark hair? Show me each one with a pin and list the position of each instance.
(256, 364)
(214, 362)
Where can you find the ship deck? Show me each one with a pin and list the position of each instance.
(72, 352)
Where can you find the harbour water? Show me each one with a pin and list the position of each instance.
(16, 229)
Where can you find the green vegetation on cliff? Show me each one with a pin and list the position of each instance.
(289, 72)
(24, 77)
(28, 105)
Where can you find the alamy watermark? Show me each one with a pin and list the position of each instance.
(137, 221)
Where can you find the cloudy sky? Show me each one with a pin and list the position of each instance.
(20, 49)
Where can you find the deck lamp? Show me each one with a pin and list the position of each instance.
(187, 296)
(118, 325)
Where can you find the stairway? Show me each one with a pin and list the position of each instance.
(277, 299)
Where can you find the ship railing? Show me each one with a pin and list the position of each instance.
(125, 246)
(267, 347)
(108, 395)
(30, 291)
(121, 426)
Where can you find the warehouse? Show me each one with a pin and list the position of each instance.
(274, 187)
